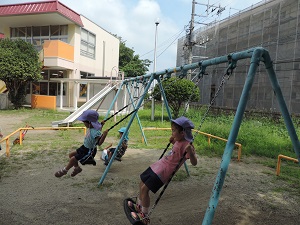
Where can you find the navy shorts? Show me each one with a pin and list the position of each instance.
(112, 150)
(83, 153)
(151, 180)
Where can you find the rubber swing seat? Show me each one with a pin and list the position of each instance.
(90, 161)
(128, 211)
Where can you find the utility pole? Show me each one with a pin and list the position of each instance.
(191, 40)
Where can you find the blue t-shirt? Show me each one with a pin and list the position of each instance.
(91, 138)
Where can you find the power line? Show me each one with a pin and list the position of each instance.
(165, 42)
(176, 38)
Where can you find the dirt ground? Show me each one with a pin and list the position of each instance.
(33, 195)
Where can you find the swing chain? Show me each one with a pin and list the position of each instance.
(226, 76)
(187, 103)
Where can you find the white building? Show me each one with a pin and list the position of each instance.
(73, 49)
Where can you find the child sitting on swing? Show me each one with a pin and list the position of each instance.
(107, 153)
(153, 178)
(93, 137)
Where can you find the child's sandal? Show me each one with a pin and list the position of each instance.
(140, 217)
(134, 207)
(76, 171)
(61, 172)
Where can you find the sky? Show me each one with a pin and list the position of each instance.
(134, 21)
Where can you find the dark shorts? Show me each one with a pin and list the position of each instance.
(112, 150)
(83, 153)
(151, 180)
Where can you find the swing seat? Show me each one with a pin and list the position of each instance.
(17, 141)
(118, 159)
(128, 211)
(90, 160)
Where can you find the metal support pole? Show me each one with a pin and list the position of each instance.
(214, 199)
(282, 105)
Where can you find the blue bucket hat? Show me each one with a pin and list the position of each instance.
(92, 116)
(187, 126)
(122, 130)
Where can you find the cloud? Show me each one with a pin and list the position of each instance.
(134, 21)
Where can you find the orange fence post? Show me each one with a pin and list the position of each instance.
(239, 151)
(20, 137)
(208, 140)
(279, 162)
(7, 148)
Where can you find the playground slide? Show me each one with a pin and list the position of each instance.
(89, 104)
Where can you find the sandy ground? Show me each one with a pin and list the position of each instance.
(33, 195)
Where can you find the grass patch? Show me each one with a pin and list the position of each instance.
(181, 175)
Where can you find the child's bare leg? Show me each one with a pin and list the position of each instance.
(109, 154)
(140, 188)
(138, 206)
(144, 196)
(72, 154)
(73, 162)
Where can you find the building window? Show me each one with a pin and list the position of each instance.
(83, 86)
(88, 44)
(83, 90)
(58, 32)
(84, 75)
(37, 35)
(46, 86)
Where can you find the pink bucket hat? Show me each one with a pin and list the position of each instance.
(91, 116)
(187, 126)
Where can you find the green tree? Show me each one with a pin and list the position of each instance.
(178, 91)
(130, 63)
(19, 65)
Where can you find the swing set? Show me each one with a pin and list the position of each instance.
(256, 55)
(127, 209)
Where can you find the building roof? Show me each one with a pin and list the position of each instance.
(38, 8)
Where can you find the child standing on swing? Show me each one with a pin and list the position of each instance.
(93, 137)
(153, 178)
